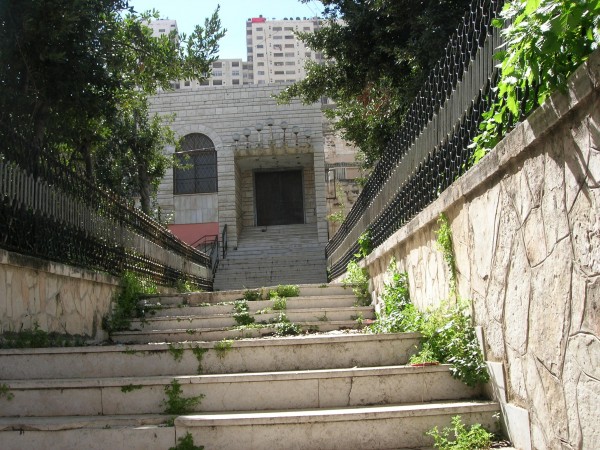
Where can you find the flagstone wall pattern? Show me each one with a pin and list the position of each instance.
(526, 237)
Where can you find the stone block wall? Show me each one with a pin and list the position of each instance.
(526, 237)
(220, 112)
(57, 297)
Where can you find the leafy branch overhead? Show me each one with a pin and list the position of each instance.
(75, 76)
(380, 53)
(546, 40)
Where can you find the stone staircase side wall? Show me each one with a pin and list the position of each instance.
(57, 297)
(526, 231)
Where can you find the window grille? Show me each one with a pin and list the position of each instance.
(198, 161)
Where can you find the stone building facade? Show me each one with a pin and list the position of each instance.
(249, 162)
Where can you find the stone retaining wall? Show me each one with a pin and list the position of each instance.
(57, 297)
(526, 227)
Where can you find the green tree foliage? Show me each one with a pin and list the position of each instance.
(75, 76)
(546, 40)
(380, 53)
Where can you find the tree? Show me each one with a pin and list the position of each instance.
(75, 76)
(379, 54)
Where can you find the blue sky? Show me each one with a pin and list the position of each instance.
(234, 14)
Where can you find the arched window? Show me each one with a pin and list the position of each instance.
(198, 166)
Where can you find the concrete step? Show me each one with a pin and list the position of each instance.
(309, 352)
(266, 316)
(335, 301)
(178, 335)
(140, 432)
(305, 389)
(374, 427)
(319, 290)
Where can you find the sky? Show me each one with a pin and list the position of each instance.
(233, 14)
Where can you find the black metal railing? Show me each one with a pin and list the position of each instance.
(49, 211)
(431, 149)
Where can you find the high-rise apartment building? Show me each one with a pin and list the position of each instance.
(273, 53)
(276, 54)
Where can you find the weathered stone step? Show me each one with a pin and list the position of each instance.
(309, 352)
(147, 336)
(141, 432)
(297, 315)
(196, 298)
(303, 389)
(375, 427)
(169, 309)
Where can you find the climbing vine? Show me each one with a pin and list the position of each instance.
(546, 40)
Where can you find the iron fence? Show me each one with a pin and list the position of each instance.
(431, 149)
(49, 211)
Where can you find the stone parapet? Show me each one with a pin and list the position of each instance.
(57, 297)
(526, 238)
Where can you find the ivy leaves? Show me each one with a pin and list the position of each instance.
(545, 41)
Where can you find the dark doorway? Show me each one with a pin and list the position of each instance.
(279, 198)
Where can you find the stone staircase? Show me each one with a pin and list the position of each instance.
(334, 388)
(267, 256)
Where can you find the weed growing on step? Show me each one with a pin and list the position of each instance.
(359, 319)
(241, 315)
(131, 388)
(175, 403)
(5, 392)
(186, 443)
(460, 437)
(284, 327)
(448, 335)
(199, 354)
(251, 295)
(357, 278)
(279, 303)
(222, 347)
(38, 338)
(126, 301)
(323, 318)
(176, 352)
(286, 290)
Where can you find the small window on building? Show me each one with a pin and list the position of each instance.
(198, 161)
(260, 46)
(278, 55)
(277, 37)
(290, 63)
(186, 82)
(259, 38)
(235, 64)
(261, 72)
(259, 29)
(290, 72)
(261, 81)
(162, 30)
(276, 28)
(308, 54)
(288, 28)
(289, 55)
(260, 55)
(235, 73)
(289, 45)
(306, 29)
(260, 64)
(236, 81)
(204, 83)
(279, 72)
(289, 37)
(217, 65)
(217, 82)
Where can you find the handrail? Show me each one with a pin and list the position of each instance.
(50, 211)
(224, 240)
